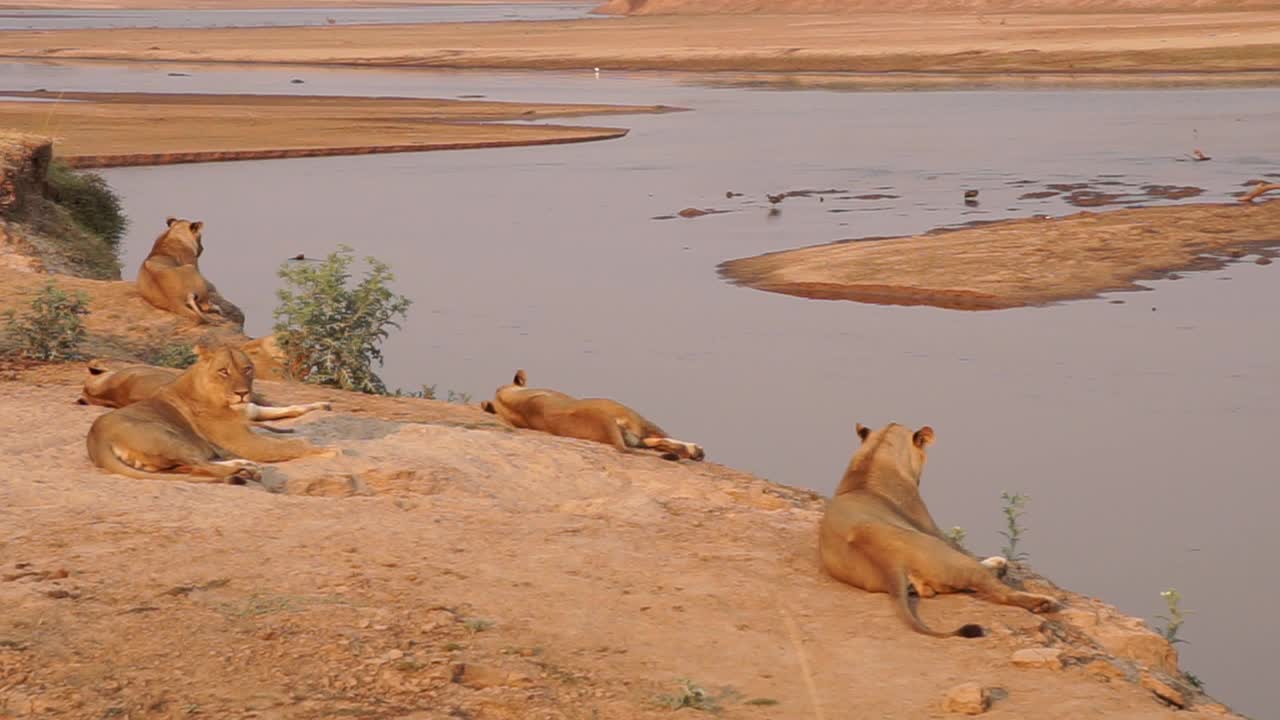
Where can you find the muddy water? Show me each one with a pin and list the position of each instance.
(95, 18)
(1140, 430)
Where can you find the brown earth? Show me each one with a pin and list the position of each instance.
(108, 129)
(987, 7)
(233, 4)
(1018, 262)
(446, 566)
(1223, 46)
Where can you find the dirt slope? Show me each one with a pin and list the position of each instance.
(449, 567)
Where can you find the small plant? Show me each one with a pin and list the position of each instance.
(694, 696)
(332, 333)
(957, 535)
(1173, 621)
(428, 392)
(53, 329)
(1014, 506)
(453, 646)
(477, 625)
(765, 702)
(1193, 681)
(90, 201)
(173, 356)
(458, 397)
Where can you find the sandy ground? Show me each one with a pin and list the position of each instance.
(235, 4)
(101, 129)
(1217, 43)
(1019, 262)
(449, 567)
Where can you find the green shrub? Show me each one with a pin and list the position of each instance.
(1014, 506)
(91, 202)
(332, 333)
(173, 356)
(53, 329)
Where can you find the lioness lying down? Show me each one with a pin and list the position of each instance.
(878, 535)
(604, 421)
(195, 425)
(127, 385)
(170, 277)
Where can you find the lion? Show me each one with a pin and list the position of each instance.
(116, 388)
(604, 421)
(170, 276)
(878, 535)
(196, 425)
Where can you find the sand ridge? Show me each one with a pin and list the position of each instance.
(1014, 263)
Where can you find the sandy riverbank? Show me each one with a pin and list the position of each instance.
(108, 129)
(90, 5)
(1019, 262)
(1218, 44)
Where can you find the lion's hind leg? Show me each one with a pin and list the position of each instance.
(257, 412)
(671, 446)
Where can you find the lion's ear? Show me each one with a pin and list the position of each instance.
(170, 221)
(863, 431)
(923, 437)
(195, 226)
(488, 407)
(521, 378)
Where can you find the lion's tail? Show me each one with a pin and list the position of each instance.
(898, 593)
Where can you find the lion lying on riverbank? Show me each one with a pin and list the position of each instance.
(878, 535)
(603, 421)
(195, 425)
(170, 276)
(116, 388)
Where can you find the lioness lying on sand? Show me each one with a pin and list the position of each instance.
(878, 535)
(129, 384)
(196, 424)
(604, 421)
(170, 276)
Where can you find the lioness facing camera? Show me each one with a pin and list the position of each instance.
(123, 386)
(604, 421)
(878, 535)
(195, 425)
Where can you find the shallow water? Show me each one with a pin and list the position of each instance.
(1138, 429)
(86, 19)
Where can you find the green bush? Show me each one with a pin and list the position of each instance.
(173, 356)
(53, 329)
(332, 333)
(91, 202)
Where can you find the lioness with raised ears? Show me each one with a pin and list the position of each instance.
(878, 535)
(194, 426)
(170, 276)
(604, 421)
(121, 386)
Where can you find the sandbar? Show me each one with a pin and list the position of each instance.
(115, 129)
(1220, 46)
(1016, 263)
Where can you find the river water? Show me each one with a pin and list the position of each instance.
(277, 17)
(1137, 423)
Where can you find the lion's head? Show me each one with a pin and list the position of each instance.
(892, 450)
(186, 234)
(221, 377)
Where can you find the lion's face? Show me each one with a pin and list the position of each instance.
(223, 376)
(895, 444)
(188, 232)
